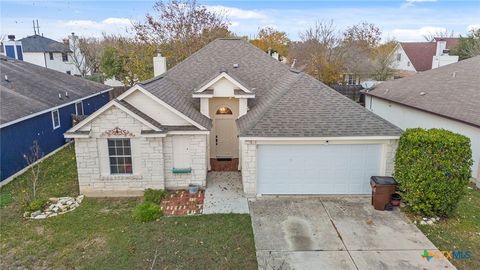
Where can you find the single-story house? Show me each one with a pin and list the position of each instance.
(37, 104)
(230, 102)
(447, 97)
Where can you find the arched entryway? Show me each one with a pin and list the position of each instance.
(226, 141)
(224, 146)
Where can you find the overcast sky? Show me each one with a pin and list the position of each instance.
(406, 20)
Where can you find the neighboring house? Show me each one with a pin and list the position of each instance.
(446, 97)
(37, 104)
(232, 103)
(47, 52)
(412, 57)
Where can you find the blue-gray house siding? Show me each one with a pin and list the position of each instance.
(16, 139)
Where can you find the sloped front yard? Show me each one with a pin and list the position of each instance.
(461, 232)
(101, 233)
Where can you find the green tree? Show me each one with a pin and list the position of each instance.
(128, 60)
(468, 46)
(110, 62)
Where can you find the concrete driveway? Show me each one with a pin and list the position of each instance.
(336, 233)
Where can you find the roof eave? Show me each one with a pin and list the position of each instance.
(424, 110)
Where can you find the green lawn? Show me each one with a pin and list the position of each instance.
(461, 231)
(101, 233)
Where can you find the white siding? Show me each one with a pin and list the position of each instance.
(406, 117)
(223, 88)
(43, 59)
(404, 63)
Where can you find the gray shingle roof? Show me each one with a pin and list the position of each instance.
(31, 89)
(37, 43)
(309, 108)
(452, 91)
(287, 103)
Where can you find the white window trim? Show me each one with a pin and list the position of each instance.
(76, 109)
(53, 119)
(110, 163)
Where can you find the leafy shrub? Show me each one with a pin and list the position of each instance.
(36, 205)
(154, 195)
(147, 211)
(433, 169)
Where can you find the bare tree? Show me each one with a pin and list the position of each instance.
(77, 56)
(181, 27)
(359, 44)
(32, 160)
(439, 34)
(319, 52)
(91, 49)
(364, 34)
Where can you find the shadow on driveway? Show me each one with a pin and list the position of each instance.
(336, 233)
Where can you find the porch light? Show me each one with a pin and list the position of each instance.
(224, 110)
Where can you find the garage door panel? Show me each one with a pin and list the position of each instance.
(316, 169)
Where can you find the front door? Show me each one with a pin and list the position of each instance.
(225, 138)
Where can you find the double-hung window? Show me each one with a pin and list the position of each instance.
(50, 55)
(56, 119)
(79, 108)
(64, 57)
(120, 156)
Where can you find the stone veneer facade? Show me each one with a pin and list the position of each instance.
(152, 159)
(249, 163)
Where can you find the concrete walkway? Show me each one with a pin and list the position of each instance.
(336, 233)
(224, 194)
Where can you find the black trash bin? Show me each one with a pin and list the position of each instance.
(382, 189)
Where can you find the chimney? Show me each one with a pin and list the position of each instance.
(159, 64)
(276, 56)
(441, 46)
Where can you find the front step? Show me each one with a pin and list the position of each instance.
(224, 164)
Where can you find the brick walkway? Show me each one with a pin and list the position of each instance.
(181, 203)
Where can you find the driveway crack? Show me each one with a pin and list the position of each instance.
(339, 235)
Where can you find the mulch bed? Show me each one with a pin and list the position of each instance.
(181, 203)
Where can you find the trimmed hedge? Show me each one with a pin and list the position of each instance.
(147, 211)
(433, 169)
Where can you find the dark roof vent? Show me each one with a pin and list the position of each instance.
(11, 37)
(223, 70)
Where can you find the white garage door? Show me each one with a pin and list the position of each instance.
(317, 169)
